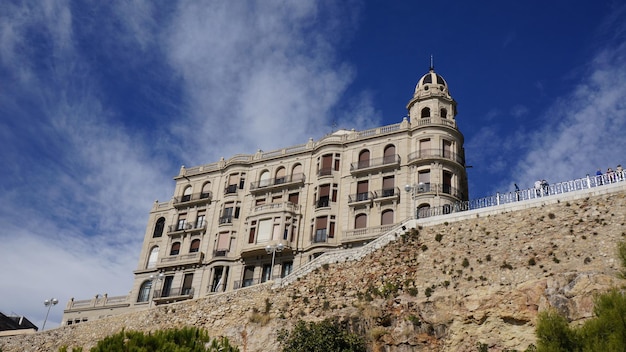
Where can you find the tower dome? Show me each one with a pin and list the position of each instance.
(431, 98)
(431, 84)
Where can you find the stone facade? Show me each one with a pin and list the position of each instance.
(449, 284)
(299, 202)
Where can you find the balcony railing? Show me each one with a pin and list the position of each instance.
(524, 194)
(376, 163)
(387, 192)
(360, 197)
(227, 219)
(323, 202)
(436, 153)
(177, 292)
(277, 182)
(325, 171)
(365, 233)
(187, 226)
(182, 259)
(319, 236)
(221, 253)
(230, 189)
(275, 207)
(423, 188)
(191, 199)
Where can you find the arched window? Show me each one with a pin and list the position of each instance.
(144, 291)
(186, 194)
(297, 174)
(360, 221)
(152, 259)
(444, 113)
(423, 211)
(390, 154)
(280, 175)
(175, 248)
(264, 179)
(386, 218)
(158, 227)
(425, 112)
(206, 191)
(195, 246)
(364, 159)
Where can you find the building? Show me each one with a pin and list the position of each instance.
(254, 218)
(16, 325)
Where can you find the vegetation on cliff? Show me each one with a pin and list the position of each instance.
(188, 339)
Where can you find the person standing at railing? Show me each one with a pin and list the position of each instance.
(610, 175)
(545, 187)
(538, 188)
(599, 177)
(619, 171)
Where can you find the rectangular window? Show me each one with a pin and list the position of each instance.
(200, 220)
(187, 289)
(362, 189)
(388, 186)
(264, 230)
(223, 242)
(182, 221)
(286, 269)
(252, 233)
(447, 149)
(423, 179)
(248, 276)
(293, 198)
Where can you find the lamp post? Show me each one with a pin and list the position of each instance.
(272, 249)
(48, 303)
(153, 285)
(408, 188)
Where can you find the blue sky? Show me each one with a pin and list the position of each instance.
(102, 102)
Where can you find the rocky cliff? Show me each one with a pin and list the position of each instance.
(446, 287)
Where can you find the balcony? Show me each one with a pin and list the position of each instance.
(226, 219)
(232, 189)
(429, 154)
(365, 234)
(276, 208)
(183, 259)
(166, 295)
(277, 183)
(319, 236)
(360, 198)
(387, 194)
(376, 164)
(186, 227)
(222, 253)
(430, 188)
(327, 171)
(192, 199)
(323, 202)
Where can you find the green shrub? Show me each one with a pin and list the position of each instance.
(188, 339)
(605, 332)
(321, 336)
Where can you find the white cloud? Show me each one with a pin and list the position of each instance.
(80, 178)
(584, 130)
(256, 78)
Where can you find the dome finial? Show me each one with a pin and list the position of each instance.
(432, 65)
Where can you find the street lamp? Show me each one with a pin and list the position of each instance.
(48, 303)
(153, 285)
(408, 188)
(272, 249)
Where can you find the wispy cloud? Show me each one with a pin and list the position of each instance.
(84, 161)
(579, 133)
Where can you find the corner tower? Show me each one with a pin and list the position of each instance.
(438, 177)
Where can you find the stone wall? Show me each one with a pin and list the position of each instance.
(446, 286)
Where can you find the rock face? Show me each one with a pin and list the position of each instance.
(447, 287)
